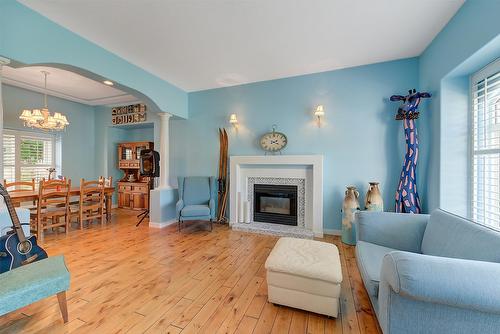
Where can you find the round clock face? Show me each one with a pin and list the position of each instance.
(273, 141)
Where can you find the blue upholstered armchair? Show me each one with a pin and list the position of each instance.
(196, 199)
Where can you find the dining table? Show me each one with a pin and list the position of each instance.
(29, 195)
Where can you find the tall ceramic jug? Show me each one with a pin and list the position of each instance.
(373, 199)
(349, 207)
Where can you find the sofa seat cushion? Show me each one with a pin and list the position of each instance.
(306, 258)
(369, 257)
(195, 211)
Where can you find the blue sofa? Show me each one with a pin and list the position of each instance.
(437, 273)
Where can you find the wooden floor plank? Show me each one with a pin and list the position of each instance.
(127, 279)
(298, 324)
(266, 320)
(315, 324)
(283, 320)
(247, 325)
(258, 301)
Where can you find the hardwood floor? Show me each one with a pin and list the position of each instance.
(142, 280)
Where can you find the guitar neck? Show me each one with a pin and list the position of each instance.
(13, 214)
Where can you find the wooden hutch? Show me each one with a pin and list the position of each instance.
(133, 189)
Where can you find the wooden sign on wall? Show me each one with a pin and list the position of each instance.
(134, 113)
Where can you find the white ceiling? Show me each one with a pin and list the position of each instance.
(201, 44)
(66, 85)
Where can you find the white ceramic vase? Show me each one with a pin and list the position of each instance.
(373, 199)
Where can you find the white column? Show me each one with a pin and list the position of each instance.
(164, 150)
(3, 61)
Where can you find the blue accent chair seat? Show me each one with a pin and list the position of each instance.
(196, 199)
(33, 282)
(437, 273)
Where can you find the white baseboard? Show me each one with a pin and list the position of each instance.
(331, 231)
(162, 224)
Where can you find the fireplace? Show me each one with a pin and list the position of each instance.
(275, 204)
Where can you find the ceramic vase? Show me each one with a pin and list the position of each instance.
(373, 199)
(349, 207)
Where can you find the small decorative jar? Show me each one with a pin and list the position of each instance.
(373, 199)
(349, 207)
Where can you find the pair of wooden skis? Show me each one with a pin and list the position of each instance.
(223, 182)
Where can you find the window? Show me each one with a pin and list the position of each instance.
(27, 155)
(486, 146)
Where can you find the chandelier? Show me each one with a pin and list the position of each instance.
(41, 118)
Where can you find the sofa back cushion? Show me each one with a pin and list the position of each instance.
(449, 235)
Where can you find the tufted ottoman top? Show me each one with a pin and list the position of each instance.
(307, 258)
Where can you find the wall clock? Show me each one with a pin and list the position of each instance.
(273, 141)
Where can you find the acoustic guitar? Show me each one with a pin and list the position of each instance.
(15, 249)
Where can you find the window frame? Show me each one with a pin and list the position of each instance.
(482, 74)
(18, 134)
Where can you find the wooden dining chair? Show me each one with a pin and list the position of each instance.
(91, 204)
(19, 186)
(52, 206)
(108, 182)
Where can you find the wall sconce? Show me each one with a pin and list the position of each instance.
(319, 112)
(233, 120)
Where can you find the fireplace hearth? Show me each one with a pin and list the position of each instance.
(275, 204)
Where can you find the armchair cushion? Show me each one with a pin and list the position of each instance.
(195, 211)
(370, 257)
(196, 190)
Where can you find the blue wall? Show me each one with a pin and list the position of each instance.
(359, 138)
(78, 142)
(467, 43)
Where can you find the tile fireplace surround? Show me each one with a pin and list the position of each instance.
(305, 171)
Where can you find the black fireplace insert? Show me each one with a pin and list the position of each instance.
(275, 204)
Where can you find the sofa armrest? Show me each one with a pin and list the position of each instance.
(178, 207)
(465, 284)
(400, 231)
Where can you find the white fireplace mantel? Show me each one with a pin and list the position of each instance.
(309, 167)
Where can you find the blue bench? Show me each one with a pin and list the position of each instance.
(33, 282)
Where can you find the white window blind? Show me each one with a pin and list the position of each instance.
(9, 157)
(27, 155)
(486, 146)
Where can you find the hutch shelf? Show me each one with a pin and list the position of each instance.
(133, 189)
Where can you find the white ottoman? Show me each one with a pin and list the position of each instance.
(305, 274)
